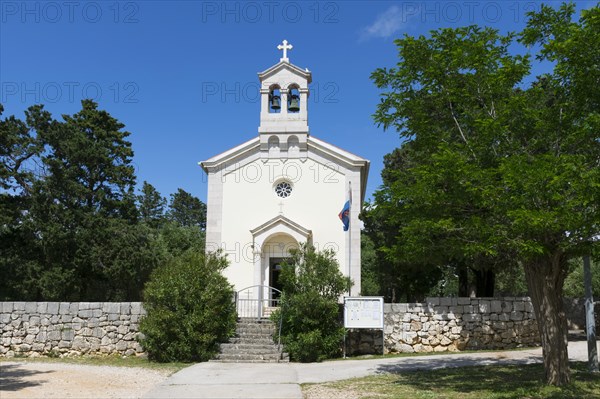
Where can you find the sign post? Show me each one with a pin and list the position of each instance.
(364, 312)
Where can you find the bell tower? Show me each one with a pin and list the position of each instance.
(284, 93)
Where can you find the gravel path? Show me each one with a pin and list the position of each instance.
(33, 380)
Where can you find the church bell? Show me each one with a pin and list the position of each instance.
(275, 101)
(294, 105)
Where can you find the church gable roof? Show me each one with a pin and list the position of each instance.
(305, 73)
(281, 220)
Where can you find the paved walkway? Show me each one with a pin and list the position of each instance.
(281, 381)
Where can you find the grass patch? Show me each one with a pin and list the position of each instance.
(113, 361)
(488, 382)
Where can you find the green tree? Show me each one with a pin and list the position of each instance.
(574, 284)
(501, 171)
(151, 205)
(312, 284)
(187, 210)
(68, 219)
(190, 309)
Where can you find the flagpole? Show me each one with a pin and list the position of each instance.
(350, 241)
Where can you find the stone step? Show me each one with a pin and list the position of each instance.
(248, 346)
(243, 358)
(259, 327)
(250, 352)
(253, 343)
(258, 340)
(250, 361)
(254, 334)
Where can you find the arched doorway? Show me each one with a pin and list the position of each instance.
(275, 251)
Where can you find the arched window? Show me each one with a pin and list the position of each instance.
(275, 100)
(293, 99)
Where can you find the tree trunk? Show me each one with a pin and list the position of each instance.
(484, 281)
(463, 281)
(545, 280)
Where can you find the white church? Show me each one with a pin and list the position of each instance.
(282, 188)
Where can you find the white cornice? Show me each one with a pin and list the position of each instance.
(306, 74)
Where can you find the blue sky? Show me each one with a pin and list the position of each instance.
(182, 75)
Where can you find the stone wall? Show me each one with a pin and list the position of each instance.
(69, 329)
(451, 324)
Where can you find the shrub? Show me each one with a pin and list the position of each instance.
(312, 284)
(189, 309)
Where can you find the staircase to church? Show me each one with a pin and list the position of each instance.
(253, 343)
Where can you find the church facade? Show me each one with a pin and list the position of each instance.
(282, 188)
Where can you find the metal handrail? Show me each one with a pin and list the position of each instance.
(242, 311)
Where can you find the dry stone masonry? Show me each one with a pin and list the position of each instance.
(451, 324)
(69, 329)
(436, 325)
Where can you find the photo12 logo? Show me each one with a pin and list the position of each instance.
(249, 92)
(54, 92)
(53, 12)
(249, 251)
(252, 12)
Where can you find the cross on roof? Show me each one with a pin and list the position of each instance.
(285, 47)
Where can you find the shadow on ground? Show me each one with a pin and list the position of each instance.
(12, 377)
(416, 364)
(508, 381)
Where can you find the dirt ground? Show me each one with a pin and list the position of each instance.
(33, 380)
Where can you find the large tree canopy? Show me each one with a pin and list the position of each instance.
(69, 227)
(499, 169)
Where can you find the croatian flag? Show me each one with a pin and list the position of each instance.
(345, 215)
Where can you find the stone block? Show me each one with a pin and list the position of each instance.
(404, 348)
(19, 306)
(415, 307)
(31, 307)
(409, 338)
(125, 308)
(74, 307)
(516, 316)
(471, 317)
(463, 300)
(4, 318)
(84, 306)
(484, 306)
(456, 309)
(67, 334)
(136, 308)
(80, 344)
(496, 306)
(519, 306)
(42, 307)
(432, 301)
(84, 314)
(111, 307)
(445, 301)
(6, 307)
(52, 308)
(64, 308)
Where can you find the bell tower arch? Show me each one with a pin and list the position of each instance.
(284, 105)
